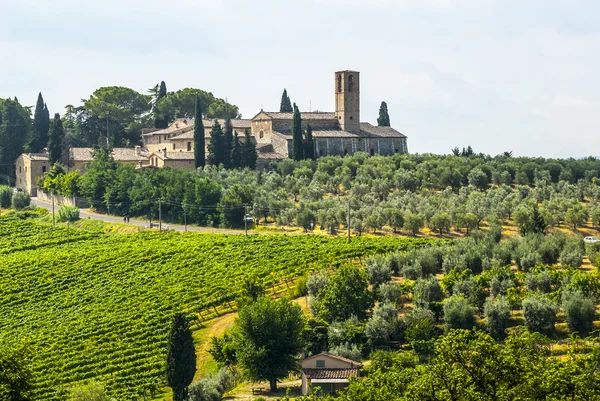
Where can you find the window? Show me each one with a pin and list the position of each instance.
(189, 146)
(173, 146)
(339, 83)
(320, 153)
(159, 139)
(351, 117)
(350, 83)
(396, 150)
(43, 169)
(19, 169)
(345, 152)
(372, 152)
(261, 134)
(320, 363)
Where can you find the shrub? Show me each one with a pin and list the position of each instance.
(212, 387)
(500, 285)
(347, 350)
(20, 200)
(580, 312)
(68, 214)
(571, 256)
(412, 271)
(540, 314)
(316, 282)
(92, 391)
(390, 292)
(539, 282)
(379, 270)
(471, 289)
(350, 331)
(458, 314)
(378, 330)
(527, 261)
(431, 259)
(386, 310)
(497, 315)
(301, 288)
(420, 330)
(427, 291)
(6, 194)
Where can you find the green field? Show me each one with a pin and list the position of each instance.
(97, 306)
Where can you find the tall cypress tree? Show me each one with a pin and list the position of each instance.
(15, 127)
(297, 143)
(55, 142)
(160, 122)
(216, 147)
(41, 125)
(286, 104)
(181, 357)
(309, 145)
(384, 118)
(237, 157)
(228, 143)
(199, 156)
(249, 151)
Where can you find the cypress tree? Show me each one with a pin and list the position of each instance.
(286, 104)
(55, 142)
(181, 357)
(236, 153)
(199, 156)
(538, 224)
(228, 143)
(309, 148)
(297, 143)
(384, 118)
(216, 147)
(249, 151)
(41, 125)
(160, 121)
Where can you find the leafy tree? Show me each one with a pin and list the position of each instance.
(379, 270)
(286, 103)
(346, 294)
(304, 218)
(15, 126)
(249, 154)
(93, 391)
(497, 316)
(269, 335)
(16, 380)
(6, 194)
(384, 118)
(458, 314)
(41, 125)
(309, 146)
(478, 179)
(427, 291)
(540, 314)
(216, 147)
(199, 146)
(347, 350)
(231, 207)
(297, 144)
(390, 292)
(100, 175)
(413, 222)
(55, 142)
(440, 222)
(236, 153)
(315, 336)
(181, 357)
(580, 312)
(420, 330)
(576, 215)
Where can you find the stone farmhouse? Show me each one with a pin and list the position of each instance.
(337, 133)
(329, 372)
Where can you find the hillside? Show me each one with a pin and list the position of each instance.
(96, 305)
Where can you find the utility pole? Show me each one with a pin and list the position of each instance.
(159, 216)
(245, 219)
(184, 219)
(348, 219)
(53, 221)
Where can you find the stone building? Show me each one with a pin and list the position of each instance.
(30, 166)
(167, 158)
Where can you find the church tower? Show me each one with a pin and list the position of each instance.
(347, 100)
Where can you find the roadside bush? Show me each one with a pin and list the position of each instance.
(6, 194)
(458, 313)
(20, 200)
(540, 314)
(497, 316)
(427, 291)
(68, 214)
(580, 312)
(379, 270)
(539, 282)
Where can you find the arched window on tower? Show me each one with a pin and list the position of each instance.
(339, 82)
(350, 83)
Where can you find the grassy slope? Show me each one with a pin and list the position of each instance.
(97, 306)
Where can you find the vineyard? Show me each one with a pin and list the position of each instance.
(97, 306)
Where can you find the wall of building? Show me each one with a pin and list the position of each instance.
(286, 125)
(281, 145)
(330, 363)
(28, 172)
(262, 125)
(59, 200)
(344, 146)
(180, 164)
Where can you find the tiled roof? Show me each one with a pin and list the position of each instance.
(178, 125)
(237, 124)
(325, 373)
(315, 115)
(186, 126)
(385, 132)
(37, 156)
(119, 154)
(175, 155)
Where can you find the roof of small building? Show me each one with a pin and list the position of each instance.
(36, 156)
(119, 154)
(333, 356)
(367, 131)
(327, 373)
(178, 125)
(237, 124)
(388, 132)
(174, 155)
(310, 115)
(184, 128)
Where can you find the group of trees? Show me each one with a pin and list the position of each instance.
(303, 145)
(226, 149)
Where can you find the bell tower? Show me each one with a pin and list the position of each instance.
(347, 100)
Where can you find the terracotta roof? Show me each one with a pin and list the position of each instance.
(174, 155)
(334, 356)
(326, 373)
(315, 115)
(386, 132)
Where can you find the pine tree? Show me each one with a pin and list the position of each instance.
(297, 144)
(55, 142)
(199, 156)
(249, 151)
(538, 224)
(15, 127)
(228, 143)
(160, 122)
(384, 117)
(286, 103)
(181, 357)
(236, 153)
(41, 125)
(216, 147)
(309, 145)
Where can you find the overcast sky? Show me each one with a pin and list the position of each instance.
(519, 75)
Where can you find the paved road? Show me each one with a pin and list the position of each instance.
(85, 213)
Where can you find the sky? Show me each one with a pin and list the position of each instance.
(508, 75)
